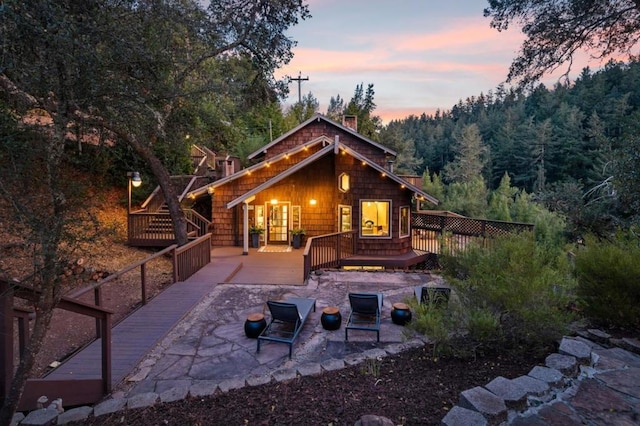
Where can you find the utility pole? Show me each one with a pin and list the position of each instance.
(299, 79)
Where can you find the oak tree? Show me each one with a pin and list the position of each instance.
(556, 30)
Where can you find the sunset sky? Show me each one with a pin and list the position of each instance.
(420, 55)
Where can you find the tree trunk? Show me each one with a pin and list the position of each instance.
(164, 180)
(47, 301)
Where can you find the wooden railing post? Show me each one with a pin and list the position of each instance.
(175, 265)
(6, 336)
(97, 299)
(106, 353)
(143, 281)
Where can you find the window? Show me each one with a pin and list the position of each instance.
(375, 218)
(344, 182)
(404, 221)
(344, 218)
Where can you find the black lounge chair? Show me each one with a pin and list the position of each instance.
(366, 309)
(435, 296)
(287, 319)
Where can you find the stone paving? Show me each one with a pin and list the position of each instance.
(209, 350)
(592, 380)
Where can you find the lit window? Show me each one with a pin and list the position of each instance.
(375, 218)
(404, 221)
(343, 182)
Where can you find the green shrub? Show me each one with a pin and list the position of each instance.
(608, 275)
(513, 295)
(483, 325)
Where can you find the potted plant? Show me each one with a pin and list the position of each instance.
(296, 237)
(255, 231)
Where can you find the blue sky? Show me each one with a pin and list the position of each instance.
(421, 55)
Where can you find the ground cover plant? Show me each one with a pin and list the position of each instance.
(514, 296)
(608, 274)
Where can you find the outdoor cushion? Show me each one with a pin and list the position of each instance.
(287, 319)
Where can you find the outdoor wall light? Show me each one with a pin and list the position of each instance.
(274, 201)
(136, 180)
(313, 201)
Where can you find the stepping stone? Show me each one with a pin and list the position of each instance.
(568, 365)
(109, 406)
(546, 374)
(142, 400)
(598, 336)
(513, 395)
(531, 386)
(489, 405)
(74, 415)
(575, 348)
(459, 416)
(43, 416)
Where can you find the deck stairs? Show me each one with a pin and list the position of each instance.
(151, 225)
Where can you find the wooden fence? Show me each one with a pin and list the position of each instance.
(441, 233)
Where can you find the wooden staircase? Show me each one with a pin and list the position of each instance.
(151, 226)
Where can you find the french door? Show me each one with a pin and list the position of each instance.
(278, 223)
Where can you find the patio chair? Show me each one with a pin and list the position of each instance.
(366, 309)
(287, 319)
(435, 296)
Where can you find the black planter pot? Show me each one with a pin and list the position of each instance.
(400, 314)
(255, 240)
(331, 318)
(254, 325)
(296, 241)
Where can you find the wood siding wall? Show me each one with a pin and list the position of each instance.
(320, 182)
(322, 128)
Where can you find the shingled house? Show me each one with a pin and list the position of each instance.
(322, 177)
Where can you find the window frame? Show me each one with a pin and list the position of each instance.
(386, 236)
(407, 224)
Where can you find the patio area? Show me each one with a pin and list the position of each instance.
(208, 350)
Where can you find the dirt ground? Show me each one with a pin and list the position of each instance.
(410, 388)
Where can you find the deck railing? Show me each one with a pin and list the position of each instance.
(73, 392)
(441, 233)
(186, 261)
(326, 251)
(192, 257)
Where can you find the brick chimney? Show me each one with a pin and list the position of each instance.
(350, 121)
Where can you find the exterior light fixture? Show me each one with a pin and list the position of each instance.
(134, 180)
(274, 201)
(313, 201)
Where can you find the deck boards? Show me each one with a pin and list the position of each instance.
(135, 336)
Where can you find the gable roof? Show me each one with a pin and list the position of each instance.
(320, 117)
(331, 147)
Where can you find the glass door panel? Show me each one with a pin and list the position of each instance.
(278, 223)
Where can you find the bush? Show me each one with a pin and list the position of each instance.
(512, 296)
(608, 275)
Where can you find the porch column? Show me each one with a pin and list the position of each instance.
(245, 228)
